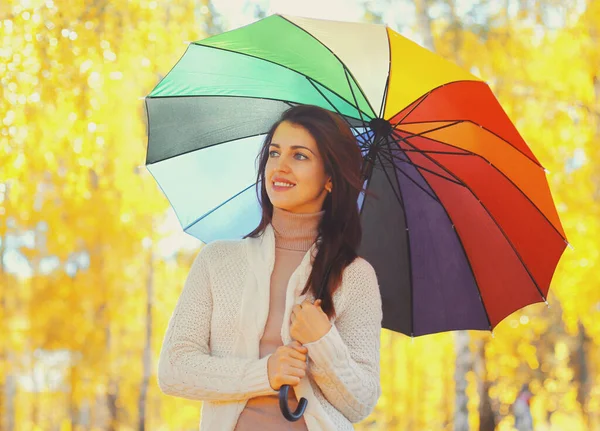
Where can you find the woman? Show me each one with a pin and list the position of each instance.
(247, 321)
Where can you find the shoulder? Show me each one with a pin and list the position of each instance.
(360, 271)
(220, 251)
(221, 246)
(359, 291)
(358, 279)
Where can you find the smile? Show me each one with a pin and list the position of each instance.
(281, 186)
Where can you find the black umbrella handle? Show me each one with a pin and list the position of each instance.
(285, 408)
(285, 389)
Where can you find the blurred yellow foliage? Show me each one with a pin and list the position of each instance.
(80, 216)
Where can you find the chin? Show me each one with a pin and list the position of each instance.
(286, 206)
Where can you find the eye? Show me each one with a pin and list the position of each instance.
(273, 153)
(301, 156)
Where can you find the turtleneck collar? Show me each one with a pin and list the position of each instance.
(295, 231)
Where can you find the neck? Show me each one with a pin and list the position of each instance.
(295, 231)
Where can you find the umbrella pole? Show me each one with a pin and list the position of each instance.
(381, 129)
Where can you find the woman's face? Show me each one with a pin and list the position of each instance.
(295, 173)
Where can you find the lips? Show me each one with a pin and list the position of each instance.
(282, 180)
(281, 184)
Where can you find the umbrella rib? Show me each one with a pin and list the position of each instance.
(493, 219)
(435, 129)
(408, 247)
(410, 162)
(366, 184)
(218, 206)
(411, 111)
(364, 145)
(470, 153)
(354, 96)
(333, 106)
(207, 146)
(387, 81)
(410, 178)
(384, 100)
(452, 153)
(287, 102)
(400, 201)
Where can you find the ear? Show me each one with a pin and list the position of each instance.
(329, 184)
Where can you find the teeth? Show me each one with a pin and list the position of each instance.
(278, 184)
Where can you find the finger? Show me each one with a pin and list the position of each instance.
(318, 302)
(296, 363)
(289, 380)
(296, 345)
(297, 353)
(296, 372)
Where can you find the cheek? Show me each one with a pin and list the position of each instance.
(313, 178)
(268, 167)
(309, 173)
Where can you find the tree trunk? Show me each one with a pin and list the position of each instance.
(487, 418)
(580, 364)
(73, 408)
(463, 366)
(112, 392)
(7, 420)
(147, 355)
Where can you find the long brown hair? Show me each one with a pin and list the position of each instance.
(339, 231)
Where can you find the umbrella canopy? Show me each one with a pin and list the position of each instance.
(459, 222)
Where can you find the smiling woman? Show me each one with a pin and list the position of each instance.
(310, 178)
(285, 306)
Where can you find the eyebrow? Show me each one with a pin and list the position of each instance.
(293, 147)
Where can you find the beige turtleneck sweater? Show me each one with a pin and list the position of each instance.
(294, 235)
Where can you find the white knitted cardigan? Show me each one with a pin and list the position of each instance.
(210, 351)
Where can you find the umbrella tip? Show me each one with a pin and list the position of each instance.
(546, 302)
(569, 245)
(187, 42)
(142, 98)
(547, 170)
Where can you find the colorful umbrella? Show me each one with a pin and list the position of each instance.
(460, 226)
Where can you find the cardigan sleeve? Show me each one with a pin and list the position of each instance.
(344, 363)
(186, 368)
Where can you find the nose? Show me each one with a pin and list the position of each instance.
(282, 164)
